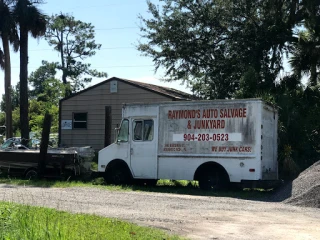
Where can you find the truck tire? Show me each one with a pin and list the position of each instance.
(31, 174)
(211, 180)
(117, 175)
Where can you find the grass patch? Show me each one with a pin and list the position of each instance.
(37, 223)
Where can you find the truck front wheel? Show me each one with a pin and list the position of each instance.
(211, 180)
(31, 174)
(117, 175)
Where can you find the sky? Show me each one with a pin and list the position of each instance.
(117, 29)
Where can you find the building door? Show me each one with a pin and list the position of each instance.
(108, 126)
(143, 149)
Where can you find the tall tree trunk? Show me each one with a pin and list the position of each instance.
(64, 75)
(24, 106)
(7, 84)
(64, 68)
(313, 75)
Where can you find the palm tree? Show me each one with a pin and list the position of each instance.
(30, 19)
(8, 33)
(305, 58)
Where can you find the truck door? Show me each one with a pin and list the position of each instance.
(143, 148)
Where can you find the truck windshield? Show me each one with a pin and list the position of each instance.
(124, 131)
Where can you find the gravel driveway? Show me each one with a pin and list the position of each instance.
(195, 217)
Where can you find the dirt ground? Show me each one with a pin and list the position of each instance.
(194, 217)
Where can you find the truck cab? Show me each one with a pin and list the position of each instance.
(134, 152)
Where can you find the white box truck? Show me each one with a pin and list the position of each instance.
(214, 142)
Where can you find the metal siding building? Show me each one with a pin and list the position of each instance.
(89, 117)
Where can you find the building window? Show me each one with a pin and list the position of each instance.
(143, 130)
(80, 120)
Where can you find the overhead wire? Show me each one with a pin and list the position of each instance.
(104, 29)
(124, 66)
(105, 5)
(105, 48)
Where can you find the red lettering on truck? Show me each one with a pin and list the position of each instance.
(233, 113)
(183, 114)
(209, 124)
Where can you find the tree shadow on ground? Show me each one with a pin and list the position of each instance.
(194, 190)
(281, 193)
(168, 186)
(278, 194)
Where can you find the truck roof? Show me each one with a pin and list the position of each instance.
(190, 102)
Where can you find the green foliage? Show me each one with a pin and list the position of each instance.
(248, 84)
(15, 110)
(289, 167)
(8, 30)
(45, 96)
(29, 17)
(74, 40)
(26, 222)
(15, 122)
(37, 109)
(15, 99)
(2, 123)
(46, 88)
(299, 109)
(235, 49)
(8, 27)
(305, 58)
(212, 44)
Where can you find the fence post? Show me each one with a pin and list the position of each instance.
(44, 144)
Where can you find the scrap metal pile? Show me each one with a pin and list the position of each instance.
(306, 188)
(304, 191)
(18, 159)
